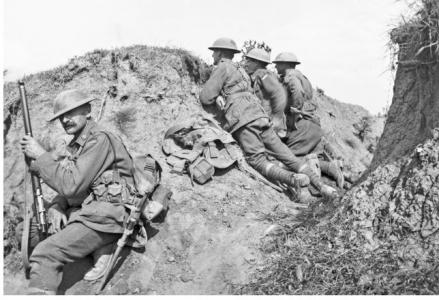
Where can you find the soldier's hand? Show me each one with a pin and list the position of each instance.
(31, 148)
(220, 102)
(57, 218)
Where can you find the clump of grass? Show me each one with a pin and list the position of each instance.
(363, 127)
(418, 38)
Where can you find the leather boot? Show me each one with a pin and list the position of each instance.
(333, 170)
(101, 258)
(327, 192)
(313, 177)
(350, 176)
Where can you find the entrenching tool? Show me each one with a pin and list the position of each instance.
(133, 220)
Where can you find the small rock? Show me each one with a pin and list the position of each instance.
(289, 243)
(299, 273)
(186, 277)
(272, 229)
(365, 279)
(171, 258)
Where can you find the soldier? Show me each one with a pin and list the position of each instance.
(230, 88)
(304, 133)
(93, 179)
(267, 88)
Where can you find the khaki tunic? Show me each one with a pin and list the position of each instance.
(71, 175)
(303, 133)
(230, 81)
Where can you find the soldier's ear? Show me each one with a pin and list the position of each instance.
(88, 116)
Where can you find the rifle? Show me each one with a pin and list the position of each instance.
(133, 220)
(38, 200)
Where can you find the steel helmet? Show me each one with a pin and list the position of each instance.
(259, 55)
(286, 57)
(225, 43)
(67, 101)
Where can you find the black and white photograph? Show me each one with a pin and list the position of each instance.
(235, 148)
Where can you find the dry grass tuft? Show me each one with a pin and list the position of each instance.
(325, 258)
(418, 38)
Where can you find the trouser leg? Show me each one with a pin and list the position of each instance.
(75, 241)
(305, 138)
(276, 147)
(250, 140)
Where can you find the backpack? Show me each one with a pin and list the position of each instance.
(146, 173)
(198, 147)
(301, 84)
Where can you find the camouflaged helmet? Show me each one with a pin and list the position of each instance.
(67, 101)
(225, 43)
(259, 55)
(286, 57)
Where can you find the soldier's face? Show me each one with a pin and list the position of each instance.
(251, 65)
(216, 57)
(281, 68)
(75, 120)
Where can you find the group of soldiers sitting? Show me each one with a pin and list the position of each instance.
(93, 173)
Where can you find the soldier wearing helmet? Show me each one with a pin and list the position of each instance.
(304, 134)
(82, 218)
(267, 88)
(246, 120)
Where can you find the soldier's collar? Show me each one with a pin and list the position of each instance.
(80, 140)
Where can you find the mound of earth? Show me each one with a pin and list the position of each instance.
(210, 238)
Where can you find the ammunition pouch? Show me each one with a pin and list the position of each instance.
(201, 170)
(111, 188)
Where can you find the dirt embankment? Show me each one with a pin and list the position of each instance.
(398, 202)
(211, 237)
(415, 105)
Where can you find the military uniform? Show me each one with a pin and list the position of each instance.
(304, 133)
(246, 119)
(270, 92)
(93, 180)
